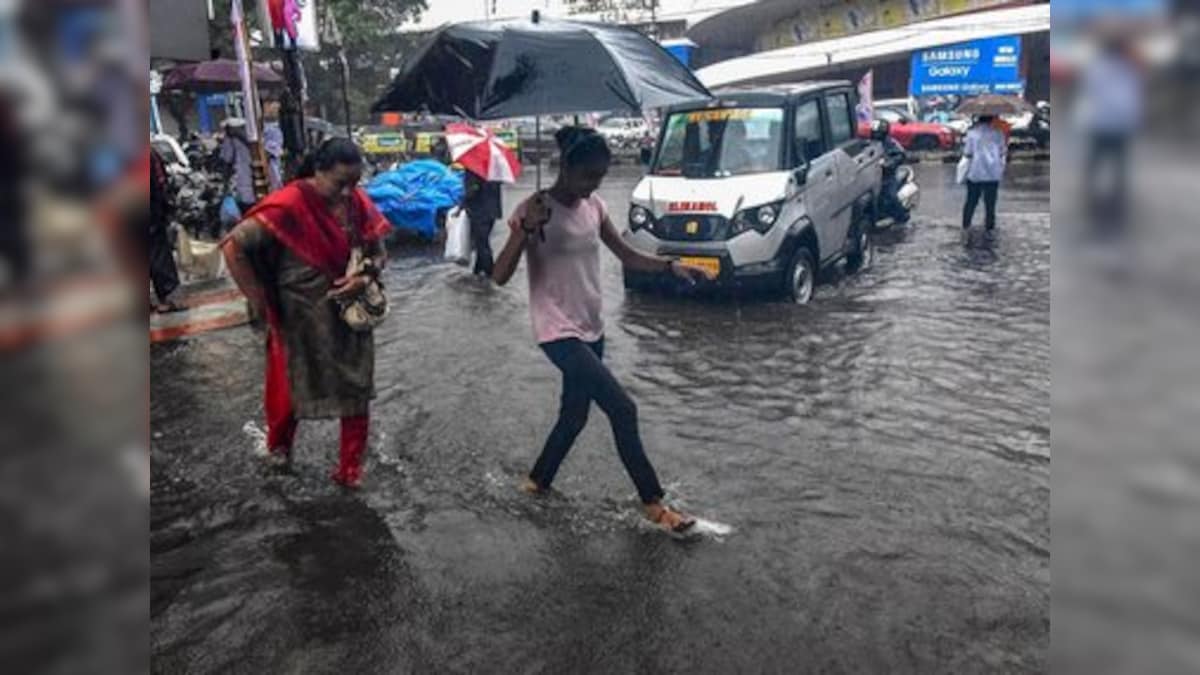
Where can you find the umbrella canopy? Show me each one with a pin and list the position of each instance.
(994, 104)
(216, 76)
(482, 153)
(499, 69)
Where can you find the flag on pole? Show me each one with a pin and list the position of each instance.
(290, 24)
(330, 34)
(865, 110)
(240, 45)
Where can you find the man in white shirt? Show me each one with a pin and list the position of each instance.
(1110, 112)
(987, 150)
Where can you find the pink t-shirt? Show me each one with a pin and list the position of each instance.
(564, 271)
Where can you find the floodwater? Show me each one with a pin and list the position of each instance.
(875, 468)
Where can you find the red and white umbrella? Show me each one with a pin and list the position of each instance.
(482, 153)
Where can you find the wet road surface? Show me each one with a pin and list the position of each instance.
(880, 457)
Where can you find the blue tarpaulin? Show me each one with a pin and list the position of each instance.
(410, 196)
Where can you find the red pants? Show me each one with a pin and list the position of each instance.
(281, 418)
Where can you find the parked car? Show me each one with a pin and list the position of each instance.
(623, 132)
(528, 128)
(764, 186)
(907, 106)
(911, 134)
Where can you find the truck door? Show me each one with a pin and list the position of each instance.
(811, 150)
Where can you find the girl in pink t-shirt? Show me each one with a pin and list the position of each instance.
(560, 231)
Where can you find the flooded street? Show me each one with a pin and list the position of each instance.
(881, 460)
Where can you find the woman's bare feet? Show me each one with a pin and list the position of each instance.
(529, 487)
(668, 518)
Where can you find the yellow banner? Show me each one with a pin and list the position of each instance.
(718, 115)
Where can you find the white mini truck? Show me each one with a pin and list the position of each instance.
(765, 186)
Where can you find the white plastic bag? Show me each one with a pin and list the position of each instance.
(960, 172)
(458, 237)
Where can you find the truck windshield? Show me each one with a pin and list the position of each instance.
(720, 142)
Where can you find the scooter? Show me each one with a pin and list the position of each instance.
(908, 193)
(895, 159)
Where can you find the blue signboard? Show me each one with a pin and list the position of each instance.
(977, 67)
(681, 52)
(1068, 10)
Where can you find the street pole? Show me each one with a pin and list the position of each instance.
(291, 112)
(251, 108)
(346, 89)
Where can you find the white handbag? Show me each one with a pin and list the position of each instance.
(960, 171)
(458, 237)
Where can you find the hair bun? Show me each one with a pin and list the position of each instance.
(568, 136)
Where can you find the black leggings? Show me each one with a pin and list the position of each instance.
(1107, 149)
(587, 379)
(481, 236)
(974, 190)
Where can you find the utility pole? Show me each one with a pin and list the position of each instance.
(652, 5)
(251, 102)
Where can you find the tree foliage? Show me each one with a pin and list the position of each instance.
(371, 40)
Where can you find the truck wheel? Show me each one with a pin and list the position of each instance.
(801, 277)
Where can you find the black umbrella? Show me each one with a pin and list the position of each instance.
(498, 69)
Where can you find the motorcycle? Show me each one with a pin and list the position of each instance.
(1039, 128)
(1036, 132)
(198, 203)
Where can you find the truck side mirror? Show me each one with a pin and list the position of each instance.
(800, 173)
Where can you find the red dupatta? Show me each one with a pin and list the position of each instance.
(299, 218)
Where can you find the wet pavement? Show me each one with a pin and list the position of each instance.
(1127, 469)
(881, 460)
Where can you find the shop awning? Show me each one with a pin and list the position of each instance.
(813, 59)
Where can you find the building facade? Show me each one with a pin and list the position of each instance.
(773, 41)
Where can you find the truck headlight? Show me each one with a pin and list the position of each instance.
(767, 215)
(760, 218)
(639, 217)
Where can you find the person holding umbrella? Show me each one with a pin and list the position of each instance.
(560, 231)
(484, 207)
(987, 152)
(488, 162)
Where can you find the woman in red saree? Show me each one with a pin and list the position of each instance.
(289, 258)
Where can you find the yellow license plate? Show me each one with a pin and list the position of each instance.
(711, 264)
